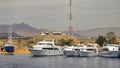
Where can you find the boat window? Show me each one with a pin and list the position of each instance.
(42, 43)
(49, 44)
(77, 49)
(51, 48)
(119, 48)
(45, 44)
(90, 49)
(105, 49)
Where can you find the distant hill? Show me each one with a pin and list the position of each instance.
(21, 29)
(98, 31)
(4, 28)
(14, 35)
(26, 30)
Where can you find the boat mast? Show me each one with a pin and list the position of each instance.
(10, 34)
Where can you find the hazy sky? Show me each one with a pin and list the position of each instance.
(53, 14)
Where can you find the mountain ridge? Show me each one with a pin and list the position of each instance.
(21, 29)
(26, 30)
(99, 31)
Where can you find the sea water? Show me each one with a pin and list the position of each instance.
(28, 61)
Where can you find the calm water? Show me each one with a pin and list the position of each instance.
(27, 61)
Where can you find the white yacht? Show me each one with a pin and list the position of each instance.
(109, 50)
(45, 48)
(71, 51)
(87, 51)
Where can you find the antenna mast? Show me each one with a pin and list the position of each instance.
(70, 28)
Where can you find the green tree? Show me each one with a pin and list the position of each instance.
(64, 42)
(111, 38)
(101, 40)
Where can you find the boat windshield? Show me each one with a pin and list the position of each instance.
(45, 44)
(105, 49)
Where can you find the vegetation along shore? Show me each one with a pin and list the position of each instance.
(23, 44)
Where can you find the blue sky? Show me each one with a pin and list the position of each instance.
(53, 14)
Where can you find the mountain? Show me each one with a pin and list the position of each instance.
(98, 31)
(4, 28)
(14, 35)
(21, 29)
(26, 30)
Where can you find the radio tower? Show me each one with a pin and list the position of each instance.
(70, 28)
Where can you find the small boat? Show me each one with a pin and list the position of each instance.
(110, 50)
(87, 51)
(71, 51)
(46, 48)
(9, 47)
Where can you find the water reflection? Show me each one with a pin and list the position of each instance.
(28, 61)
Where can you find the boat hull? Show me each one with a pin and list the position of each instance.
(110, 54)
(71, 53)
(87, 53)
(9, 48)
(36, 52)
